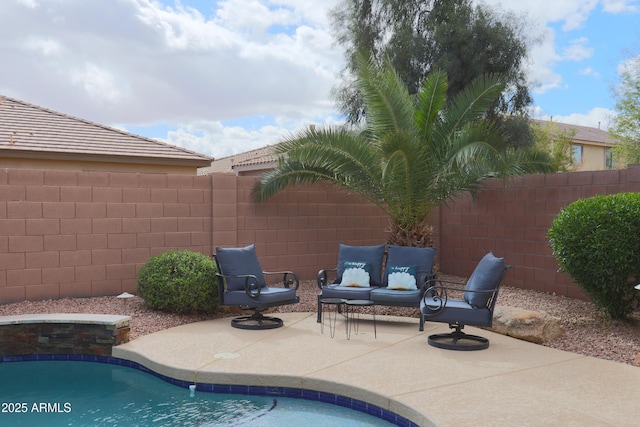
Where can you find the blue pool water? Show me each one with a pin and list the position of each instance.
(64, 393)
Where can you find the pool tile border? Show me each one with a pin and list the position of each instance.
(296, 393)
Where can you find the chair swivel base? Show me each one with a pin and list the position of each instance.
(458, 340)
(256, 321)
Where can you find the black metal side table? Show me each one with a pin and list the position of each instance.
(353, 315)
(336, 303)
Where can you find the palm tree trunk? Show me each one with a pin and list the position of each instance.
(419, 234)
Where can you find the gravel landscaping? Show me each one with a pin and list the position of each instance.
(587, 331)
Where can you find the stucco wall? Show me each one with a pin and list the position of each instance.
(593, 158)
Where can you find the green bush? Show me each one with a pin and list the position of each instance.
(179, 282)
(597, 242)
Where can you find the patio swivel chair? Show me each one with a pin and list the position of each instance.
(241, 283)
(475, 308)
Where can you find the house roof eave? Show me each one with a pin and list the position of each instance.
(88, 157)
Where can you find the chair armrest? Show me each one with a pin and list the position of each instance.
(323, 276)
(425, 283)
(288, 277)
(440, 294)
(251, 286)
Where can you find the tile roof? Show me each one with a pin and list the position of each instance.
(582, 133)
(250, 159)
(31, 131)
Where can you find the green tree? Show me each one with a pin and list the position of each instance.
(412, 153)
(419, 36)
(557, 143)
(626, 124)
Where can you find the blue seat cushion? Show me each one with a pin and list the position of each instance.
(373, 255)
(456, 311)
(268, 296)
(346, 292)
(422, 258)
(239, 261)
(486, 277)
(385, 296)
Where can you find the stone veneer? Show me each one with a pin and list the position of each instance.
(62, 333)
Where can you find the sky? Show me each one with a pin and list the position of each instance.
(227, 76)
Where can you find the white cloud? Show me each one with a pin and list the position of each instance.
(253, 17)
(99, 83)
(139, 62)
(32, 4)
(589, 72)
(540, 71)
(620, 6)
(215, 139)
(219, 141)
(577, 50)
(184, 28)
(44, 46)
(572, 13)
(151, 63)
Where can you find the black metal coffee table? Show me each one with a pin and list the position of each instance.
(353, 315)
(336, 303)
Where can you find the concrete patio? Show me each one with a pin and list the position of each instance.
(512, 383)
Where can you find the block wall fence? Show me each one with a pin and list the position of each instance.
(79, 234)
(513, 220)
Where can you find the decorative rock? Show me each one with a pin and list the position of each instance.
(636, 361)
(533, 326)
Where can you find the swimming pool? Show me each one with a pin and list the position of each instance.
(76, 393)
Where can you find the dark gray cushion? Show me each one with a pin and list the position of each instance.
(239, 261)
(346, 292)
(386, 296)
(422, 258)
(457, 311)
(268, 296)
(369, 254)
(485, 277)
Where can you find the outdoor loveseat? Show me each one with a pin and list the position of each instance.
(388, 275)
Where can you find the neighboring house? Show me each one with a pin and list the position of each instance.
(33, 137)
(249, 163)
(591, 147)
(591, 151)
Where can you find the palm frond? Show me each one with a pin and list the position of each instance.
(430, 101)
(470, 104)
(414, 153)
(389, 105)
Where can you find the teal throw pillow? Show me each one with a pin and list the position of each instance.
(401, 277)
(356, 274)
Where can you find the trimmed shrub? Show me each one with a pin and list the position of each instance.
(597, 242)
(179, 282)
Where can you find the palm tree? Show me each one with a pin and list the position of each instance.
(412, 154)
